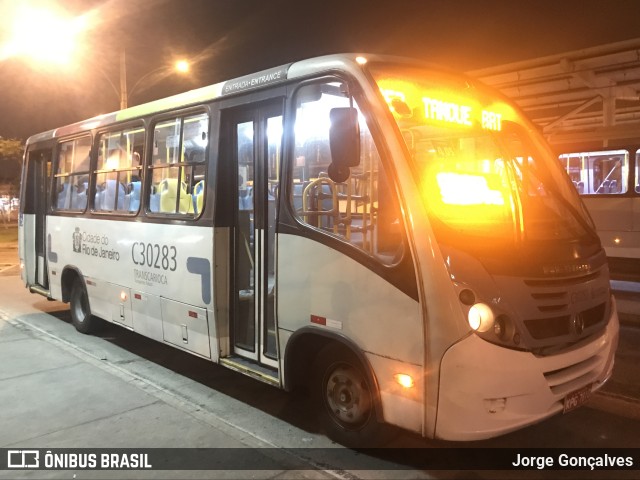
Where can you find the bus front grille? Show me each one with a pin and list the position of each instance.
(571, 377)
(561, 282)
(541, 328)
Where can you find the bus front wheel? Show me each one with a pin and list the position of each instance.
(345, 398)
(80, 310)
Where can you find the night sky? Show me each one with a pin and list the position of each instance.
(228, 38)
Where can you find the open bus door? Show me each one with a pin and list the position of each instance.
(255, 138)
(33, 216)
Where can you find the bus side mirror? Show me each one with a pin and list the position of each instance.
(344, 141)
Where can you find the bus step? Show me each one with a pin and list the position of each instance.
(252, 369)
(40, 290)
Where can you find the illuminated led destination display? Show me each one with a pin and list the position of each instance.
(441, 110)
(450, 112)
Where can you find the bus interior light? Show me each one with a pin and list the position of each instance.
(404, 380)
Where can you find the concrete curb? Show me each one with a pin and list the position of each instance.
(617, 404)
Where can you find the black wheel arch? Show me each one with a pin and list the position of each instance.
(303, 348)
(69, 274)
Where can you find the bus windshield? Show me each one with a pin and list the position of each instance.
(485, 180)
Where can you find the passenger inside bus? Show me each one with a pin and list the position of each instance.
(80, 199)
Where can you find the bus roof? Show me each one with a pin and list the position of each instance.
(252, 81)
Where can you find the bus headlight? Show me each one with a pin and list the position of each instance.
(480, 317)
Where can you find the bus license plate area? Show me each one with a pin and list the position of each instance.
(577, 398)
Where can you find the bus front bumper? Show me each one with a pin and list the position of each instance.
(487, 390)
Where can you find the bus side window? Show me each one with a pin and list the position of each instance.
(177, 168)
(610, 171)
(362, 209)
(118, 171)
(72, 174)
(598, 173)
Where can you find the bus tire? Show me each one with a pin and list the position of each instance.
(80, 310)
(344, 398)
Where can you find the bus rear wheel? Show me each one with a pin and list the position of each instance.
(80, 310)
(345, 399)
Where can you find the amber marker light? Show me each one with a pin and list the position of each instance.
(404, 380)
(123, 296)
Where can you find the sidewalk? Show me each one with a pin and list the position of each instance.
(56, 394)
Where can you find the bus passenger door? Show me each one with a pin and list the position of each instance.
(34, 213)
(257, 146)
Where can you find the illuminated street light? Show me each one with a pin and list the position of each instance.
(182, 66)
(43, 35)
(48, 36)
(148, 79)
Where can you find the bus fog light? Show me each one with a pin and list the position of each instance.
(404, 380)
(480, 317)
(495, 405)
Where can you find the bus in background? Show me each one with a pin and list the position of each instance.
(609, 183)
(399, 238)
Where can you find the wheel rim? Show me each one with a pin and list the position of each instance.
(347, 397)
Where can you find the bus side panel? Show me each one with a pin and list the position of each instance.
(186, 327)
(27, 248)
(613, 217)
(146, 311)
(317, 285)
(222, 242)
(129, 267)
(631, 245)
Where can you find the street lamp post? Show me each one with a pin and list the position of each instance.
(124, 96)
(124, 93)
